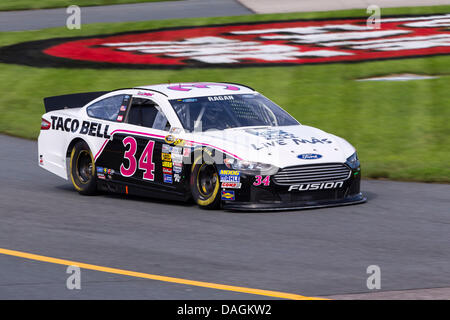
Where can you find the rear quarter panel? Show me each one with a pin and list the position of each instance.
(66, 126)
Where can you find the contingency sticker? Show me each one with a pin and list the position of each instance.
(228, 195)
(230, 176)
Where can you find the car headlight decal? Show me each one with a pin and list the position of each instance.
(249, 167)
(353, 161)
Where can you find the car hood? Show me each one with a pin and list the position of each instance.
(279, 146)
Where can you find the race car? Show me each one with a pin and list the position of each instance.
(220, 144)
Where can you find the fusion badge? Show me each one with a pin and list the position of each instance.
(316, 186)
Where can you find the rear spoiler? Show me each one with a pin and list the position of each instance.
(69, 101)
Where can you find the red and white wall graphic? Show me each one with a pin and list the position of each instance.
(268, 43)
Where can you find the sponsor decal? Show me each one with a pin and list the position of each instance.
(123, 108)
(104, 173)
(177, 150)
(188, 100)
(170, 139)
(230, 172)
(190, 86)
(228, 195)
(186, 152)
(316, 186)
(272, 134)
(175, 130)
(167, 164)
(294, 42)
(177, 158)
(90, 128)
(276, 137)
(177, 164)
(166, 148)
(177, 177)
(231, 185)
(110, 173)
(230, 176)
(177, 169)
(146, 94)
(284, 142)
(120, 118)
(166, 157)
(167, 170)
(168, 178)
(309, 156)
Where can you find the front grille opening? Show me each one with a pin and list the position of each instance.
(327, 172)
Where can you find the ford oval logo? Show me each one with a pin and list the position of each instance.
(309, 156)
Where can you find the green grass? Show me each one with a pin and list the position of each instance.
(7, 5)
(401, 129)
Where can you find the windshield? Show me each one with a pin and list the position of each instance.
(230, 111)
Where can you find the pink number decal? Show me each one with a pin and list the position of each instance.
(187, 86)
(130, 156)
(145, 162)
(260, 180)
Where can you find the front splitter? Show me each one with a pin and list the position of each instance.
(279, 206)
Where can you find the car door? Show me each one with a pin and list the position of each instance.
(138, 148)
(109, 112)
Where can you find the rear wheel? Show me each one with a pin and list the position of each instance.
(205, 184)
(82, 169)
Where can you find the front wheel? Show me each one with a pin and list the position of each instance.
(82, 169)
(205, 184)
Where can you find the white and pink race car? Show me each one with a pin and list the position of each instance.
(220, 144)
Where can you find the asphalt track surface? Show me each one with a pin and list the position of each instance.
(49, 18)
(404, 228)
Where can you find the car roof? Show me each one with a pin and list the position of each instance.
(197, 89)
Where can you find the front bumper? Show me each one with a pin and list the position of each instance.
(280, 206)
(281, 197)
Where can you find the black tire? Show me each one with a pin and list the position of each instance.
(82, 169)
(205, 184)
